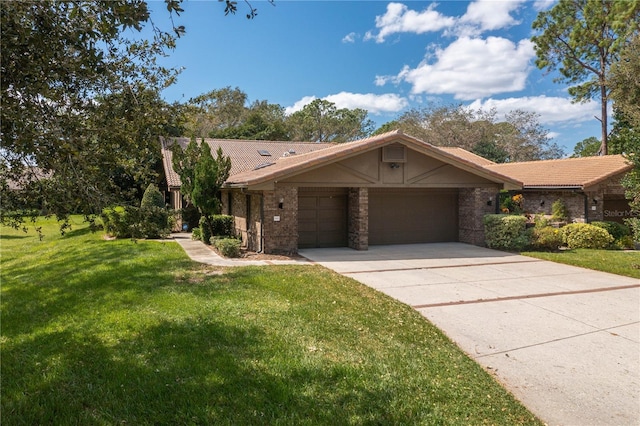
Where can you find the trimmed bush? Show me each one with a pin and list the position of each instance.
(195, 234)
(205, 231)
(152, 197)
(546, 238)
(584, 235)
(223, 225)
(617, 230)
(228, 247)
(506, 232)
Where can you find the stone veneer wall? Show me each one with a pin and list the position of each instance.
(472, 206)
(280, 236)
(358, 218)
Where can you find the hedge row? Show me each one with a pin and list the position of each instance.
(510, 233)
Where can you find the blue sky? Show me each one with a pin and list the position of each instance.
(385, 57)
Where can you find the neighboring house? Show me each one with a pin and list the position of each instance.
(388, 189)
(589, 186)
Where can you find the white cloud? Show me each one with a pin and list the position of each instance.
(349, 38)
(374, 104)
(471, 68)
(552, 110)
(540, 5)
(491, 15)
(399, 19)
(299, 104)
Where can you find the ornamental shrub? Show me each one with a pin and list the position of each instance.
(584, 235)
(546, 238)
(134, 222)
(617, 230)
(195, 234)
(559, 211)
(223, 225)
(116, 221)
(228, 247)
(205, 231)
(152, 197)
(506, 232)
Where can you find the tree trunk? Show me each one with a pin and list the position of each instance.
(603, 106)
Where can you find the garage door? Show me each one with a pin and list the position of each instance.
(412, 216)
(322, 219)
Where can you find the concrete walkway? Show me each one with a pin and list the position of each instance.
(564, 340)
(199, 252)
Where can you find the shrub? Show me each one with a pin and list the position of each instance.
(546, 238)
(116, 221)
(223, 225)
(195, 234)
(134, 222)
(617, 230)
(205, 231)
(559, 211)
(153, 222)
(506, 232)
(584, 235)
(228, 247)
(625, 243)
(511, 204)
(634, 226)
(540, 221)
(152, 197)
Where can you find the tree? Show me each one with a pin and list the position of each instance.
(80, 106)
(581, 39)
(322, 121)
(201, 177)
(625, 82)
(587, 147)
(520, 137)
(216, 111)
(261, 121)
(65, 66)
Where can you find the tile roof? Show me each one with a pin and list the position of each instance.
(467, 155)
(287, 166)
(245, 153)
(575, 173)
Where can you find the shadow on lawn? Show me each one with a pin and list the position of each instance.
(192, 372)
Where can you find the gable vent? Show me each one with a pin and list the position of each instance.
(394, 154)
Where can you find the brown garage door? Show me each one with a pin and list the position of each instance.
(322, 219)
(412, 216)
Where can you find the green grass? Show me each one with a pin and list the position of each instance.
(618, 262)
(111, 332)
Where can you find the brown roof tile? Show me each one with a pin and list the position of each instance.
(579, 173)
(245, 153)
(295, 164)
(467, 155)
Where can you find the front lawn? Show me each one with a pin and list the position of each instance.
(618, 262)
(115, 332)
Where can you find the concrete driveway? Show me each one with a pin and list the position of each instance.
(564, 340)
